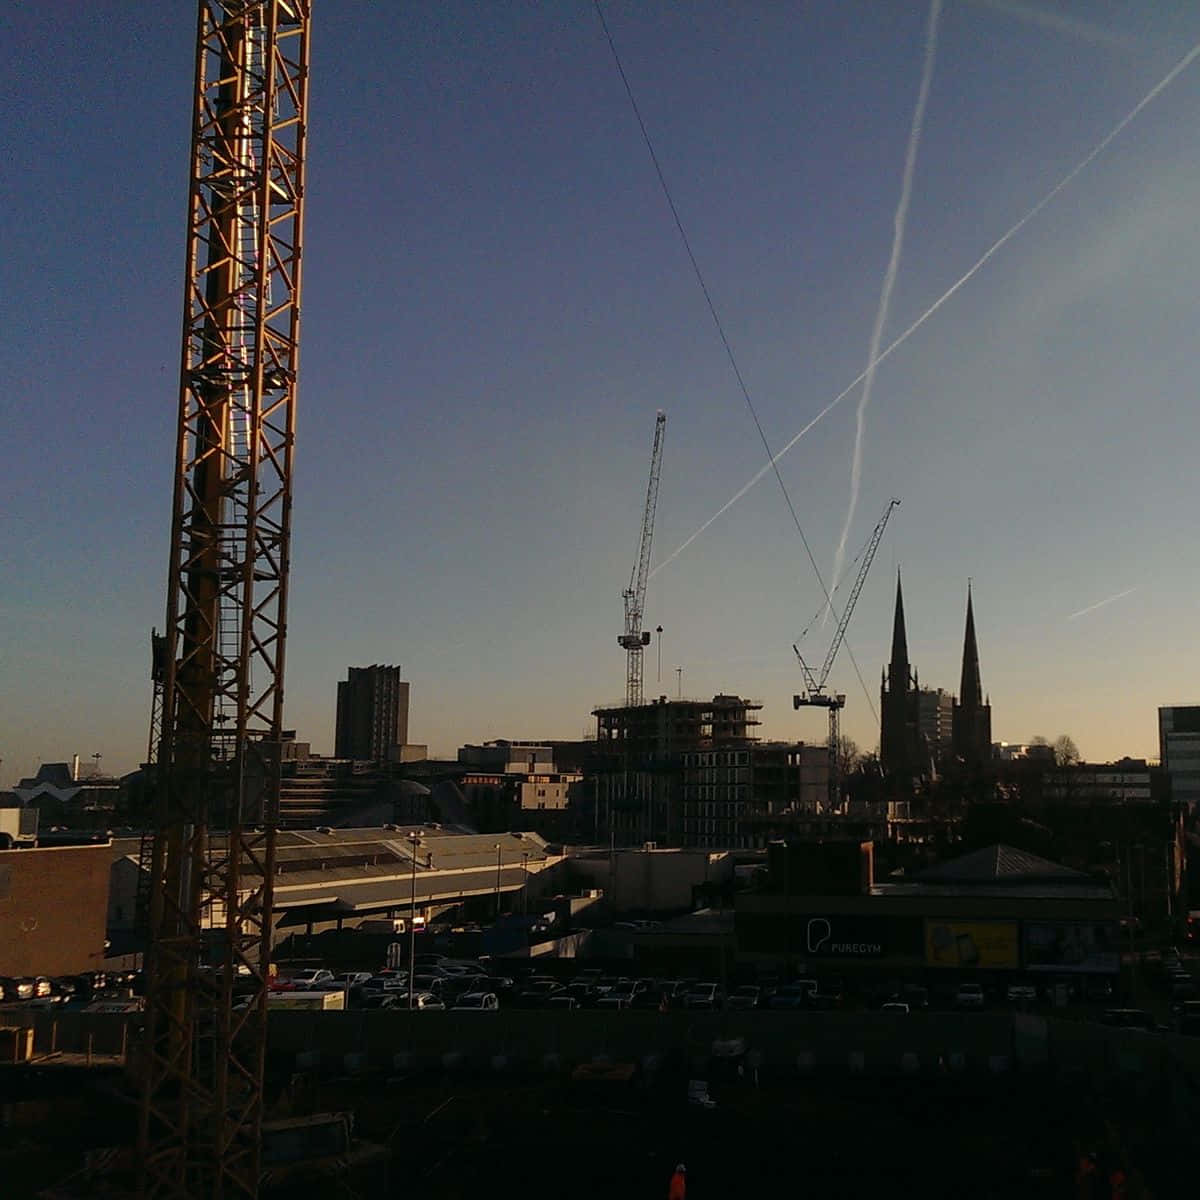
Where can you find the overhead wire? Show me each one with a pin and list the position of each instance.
(733, 363)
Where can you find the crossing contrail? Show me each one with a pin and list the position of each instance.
(899, 221)
(1101, 603)
(1098, 149)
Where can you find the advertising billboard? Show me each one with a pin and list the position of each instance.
(984, 944)
(1073, 946)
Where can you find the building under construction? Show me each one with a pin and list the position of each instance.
(639, 759)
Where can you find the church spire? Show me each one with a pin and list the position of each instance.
(899, 667)
(970, 692)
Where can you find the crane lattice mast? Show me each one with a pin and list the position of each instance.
(816, 695)
(635, 639)
(217, 761)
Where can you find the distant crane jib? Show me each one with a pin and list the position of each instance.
(634, 639)
(818, 685)
(641, 574)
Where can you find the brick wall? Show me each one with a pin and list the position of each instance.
(53, 903)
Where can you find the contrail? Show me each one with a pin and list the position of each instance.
(963, 279)
(899, 221)
(1101, 603)
(1085, 31)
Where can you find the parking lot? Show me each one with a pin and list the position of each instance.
(1153, 991)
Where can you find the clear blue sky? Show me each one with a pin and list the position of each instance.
(496, 303)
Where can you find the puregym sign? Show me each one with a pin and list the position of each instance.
(843, 937)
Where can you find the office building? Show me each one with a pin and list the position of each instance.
(1179, 751)
(372, 714)
(639, 763)
(935, 720)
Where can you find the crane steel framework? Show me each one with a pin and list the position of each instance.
(223, 658)
(816, 696)
(635, 639)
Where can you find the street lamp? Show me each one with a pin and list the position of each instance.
(498, 852)
(414, 840)
(524, 882)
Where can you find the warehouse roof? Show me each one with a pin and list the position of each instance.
(1001, 864)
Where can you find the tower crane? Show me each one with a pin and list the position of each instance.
(815, 695)
(221, 658)
(635, 639)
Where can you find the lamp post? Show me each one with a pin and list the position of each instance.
(498, 853)
(524, 882)
(414, 840)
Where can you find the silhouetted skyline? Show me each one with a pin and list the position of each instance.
(496, 303)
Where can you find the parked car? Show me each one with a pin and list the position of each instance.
(653, 998)
(435, 985)
(749, 995)
(17, 988)
(65, 988)
(630, 989)
(703, 996)
(351, 979)
(567, 1003)
(378, 984)
(536, 992)
(969, 995)
(582, 992)
(894, 1006)
(1098, 989)
(1187, 1018)
(311, 980)
(379, 1000)
(914, 995)
(476, 1002)
(1021, 992)
(422, 1001)
(613, 1002)
(1129, 1018)
(793, 995)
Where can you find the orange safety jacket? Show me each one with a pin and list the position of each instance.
(678, 1190)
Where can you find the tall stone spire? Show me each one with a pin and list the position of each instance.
(899, 667)
(972, 717)
(970, 692)
(898, 738)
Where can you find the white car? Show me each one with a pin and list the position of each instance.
(747, 996)
(703, 995)
(350, 979)
(313, 980)
(422, 1001)
(969, 995)
(896, 1006)
(476, 1002)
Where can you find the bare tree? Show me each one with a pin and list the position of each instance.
(849, 756)
(1066, 753)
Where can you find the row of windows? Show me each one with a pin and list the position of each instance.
(713, 810)
(718, 775)
(693, 792)
(716, 758)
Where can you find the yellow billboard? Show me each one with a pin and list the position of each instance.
(984, 944)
